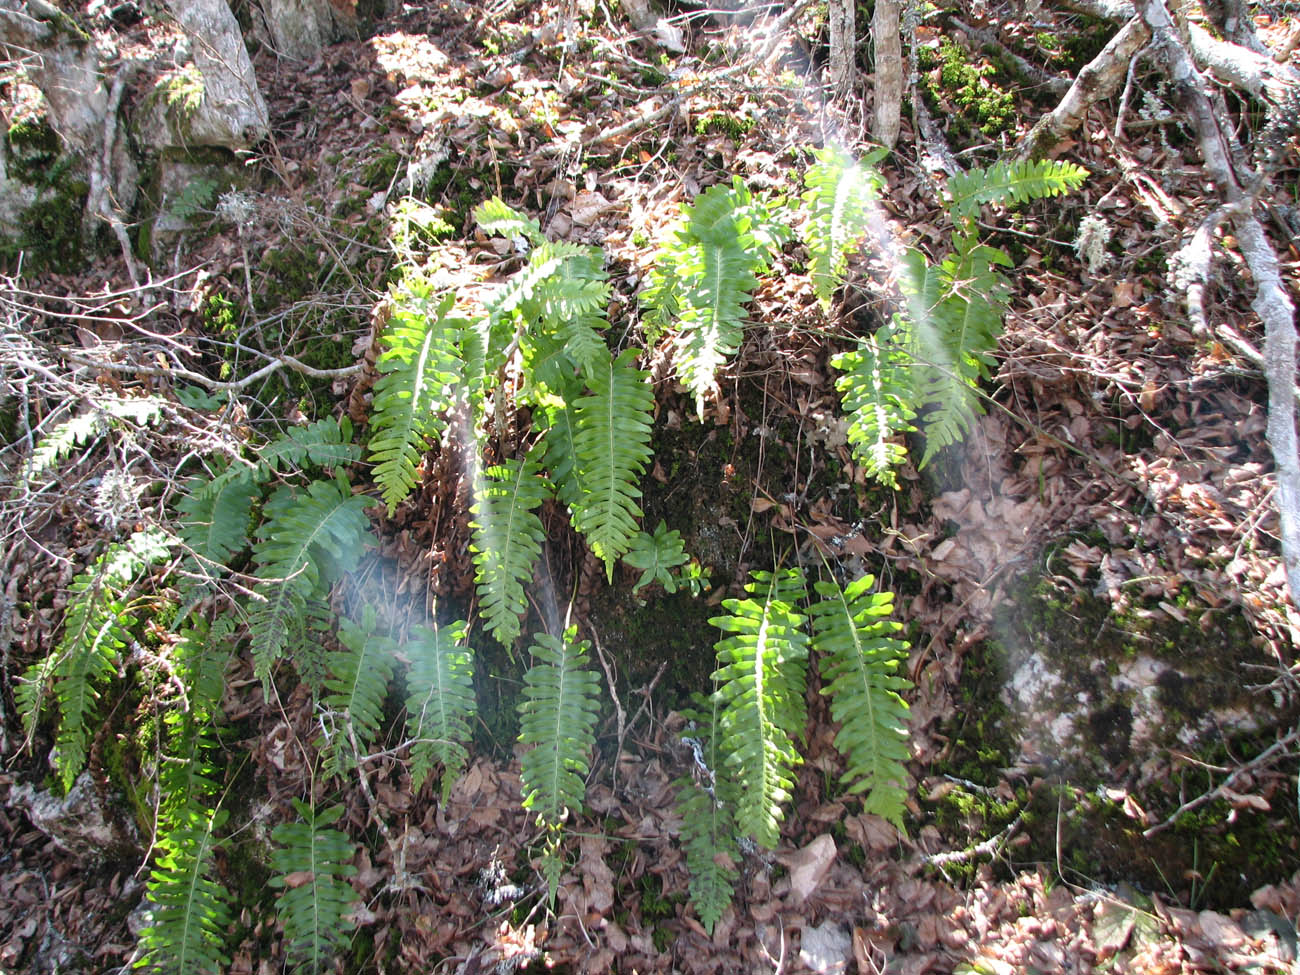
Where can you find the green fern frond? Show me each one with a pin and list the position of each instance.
(214, 515)
(188, 909)
(326, 444)
(421, 370)
(311, 864)
(704, 278)
(360, 673)
(859, 663)
(709, 834)
(656, 556)
(507, 539)
(878, 393)
(837, 202)
(96, 627)
(559, 431)
(494, 217)
(79, 430)
(308, 540)
(188, 776)
(440, 702)
(761, 678)
(557, 720)
(1012, 183)
(612, 448)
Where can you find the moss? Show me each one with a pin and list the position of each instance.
(378, 173)
(966, 89)
(735, 127)
(31, 149)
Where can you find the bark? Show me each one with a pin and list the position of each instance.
(232, 113)
(298, 29)
(843, 44)
(888, 48)
(65, 68)
(1100, 78)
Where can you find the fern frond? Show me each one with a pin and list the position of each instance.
(214, 515)
(1012, 183)
(859, 663)
(188, 776)
(79, 430)
(311, 864)
(360, 673)
(708, 831)
(761, 678)
(612, 448)
(308, 539)
(656, 556)
(325, 443)
(559, 423)
(878, 393)
(421, 369)
(440, 701)
(705, 273)
(96, 627)
(188, 909)
(837, 203)
(507, 539)
(557, 718)
(495, 217)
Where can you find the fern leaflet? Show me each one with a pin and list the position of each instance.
(612, 448)
(325, 443)
(440, 701)
(859, 661)
(311, 863)
(1011, 182)
(421, 370)
(84, 427)
(215, 513)
(879, 395)
(761, 678)
(495, 217)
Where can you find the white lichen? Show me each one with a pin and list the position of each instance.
(1090, 244)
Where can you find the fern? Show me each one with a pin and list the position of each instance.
(507, 539)
(761, 678)
(612, 448)
(360, 673)
(859, 661)
(421, 370)
(1011, 182)
(878, 389)
(559, 421)
(440, 701)
(494, 217)
(557, 720)
(309, 539)
(215, 515)
(325, 443)
(79, 430)
(311, 863)
(704, 801)
(837, 206)
(656, 555)
(96, 627)
(188, 910)
(704, 278)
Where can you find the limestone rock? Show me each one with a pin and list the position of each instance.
(81, 823)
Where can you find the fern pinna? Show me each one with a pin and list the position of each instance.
(440, 701)
(420, 372)
(704, 277)
(762, 675)
(309, 539)
(96, 628)
(507, 539)
(859, 663)
(311, 863)
(557, 720)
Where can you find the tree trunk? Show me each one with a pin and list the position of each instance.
(843, 47)
(232, 112)
(888, 49)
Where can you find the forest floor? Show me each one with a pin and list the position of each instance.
(1121, 462)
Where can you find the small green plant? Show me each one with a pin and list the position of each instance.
(195, 197)
(183, 90)
(969, 86)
